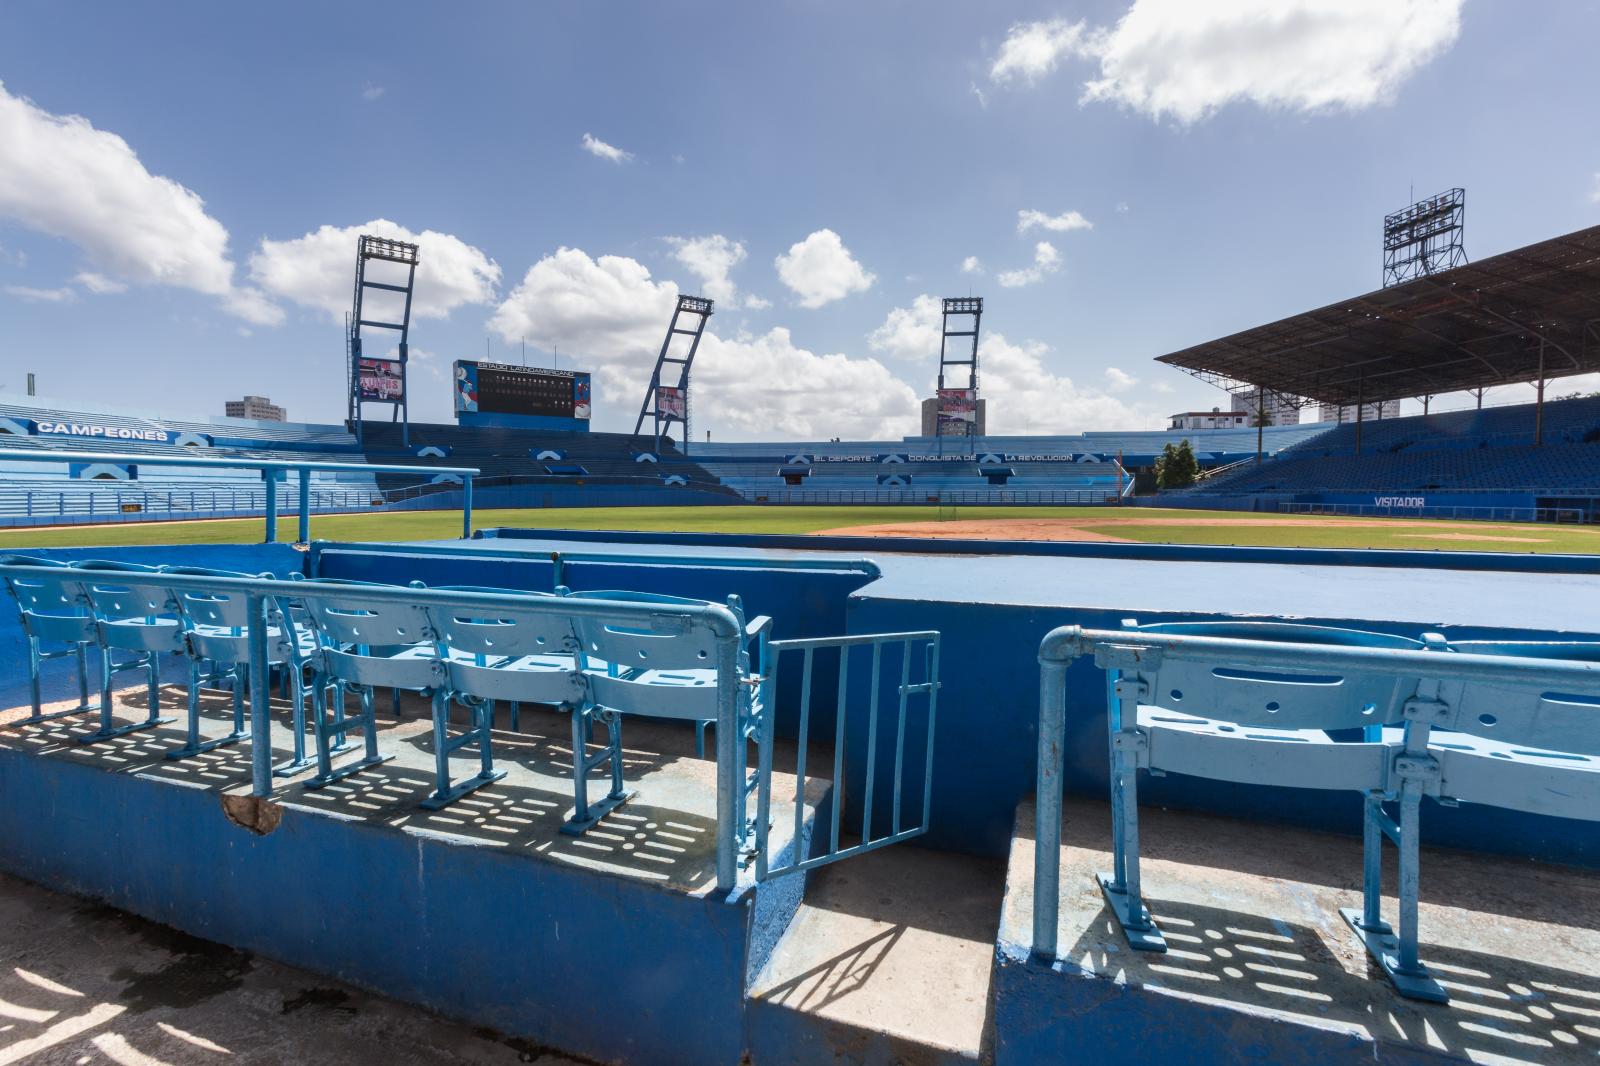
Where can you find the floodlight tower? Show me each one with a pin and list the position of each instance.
(667, 400)
(1425, 238)
(955, 404)
(380, 380)
(963, 305)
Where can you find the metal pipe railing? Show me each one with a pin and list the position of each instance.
(1064, 645)
(717, 619)
(273, 472)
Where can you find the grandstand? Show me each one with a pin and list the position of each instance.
(1489, 451)
(1083, 468)
(1529, 315)
(522, 468)
(549, 468)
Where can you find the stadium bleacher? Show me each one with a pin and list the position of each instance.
(1460, 451)
(1067, 468)
(520, 467)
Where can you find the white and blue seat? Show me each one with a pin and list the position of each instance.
(217, 632)
(661, 673)
(139, 622)
(1204, 717)
(499, 653)
(57, 623)
(363, 644)
(1516, 745)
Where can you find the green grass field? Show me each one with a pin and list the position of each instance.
(1155, 526)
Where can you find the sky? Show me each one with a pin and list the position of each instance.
(182, 186)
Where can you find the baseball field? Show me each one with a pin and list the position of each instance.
(1144, 525)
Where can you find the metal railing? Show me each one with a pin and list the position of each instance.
(1061, 647)
(912, 683)
(717, 620)
(273, 472)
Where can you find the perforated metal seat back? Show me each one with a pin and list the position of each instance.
(1549, 717)
(56, 607)
(212, 607)
(344, 615)
(1276, 699)
(634, 645)
(504, 631)
(117, 594)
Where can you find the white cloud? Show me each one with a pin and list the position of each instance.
(1595, 192)
(370, 91)
(910, 333)
(762, 385)
(64, 295)
(61, 176)
(1118, 380)
(1033, 49)
(1026, 397)
(820, 269)
(601, 150)
(1122, 207)
(971, 265)
(318, 269)
(1046, 260)
(611, 315)
(983, 101)
(711, 259)
(1184, 60)
(1065, 222)
(99, 283)
(753, 302)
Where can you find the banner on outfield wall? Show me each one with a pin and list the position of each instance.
(99, 431)
(381, 380)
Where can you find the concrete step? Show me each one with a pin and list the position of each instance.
(888, 960)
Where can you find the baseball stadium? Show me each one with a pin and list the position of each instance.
(1253, 738)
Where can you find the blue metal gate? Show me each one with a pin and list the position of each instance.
(915, 697)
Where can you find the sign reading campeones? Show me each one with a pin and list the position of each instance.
(45, 428)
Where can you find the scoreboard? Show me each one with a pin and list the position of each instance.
(496, 388)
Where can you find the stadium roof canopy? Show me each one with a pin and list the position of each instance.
(1523, 315)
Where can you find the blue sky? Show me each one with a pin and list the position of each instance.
(1193, 169)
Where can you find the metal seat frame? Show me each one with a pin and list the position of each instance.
(52, 612)
(1204, 718)
(636, 670)
(132, 617)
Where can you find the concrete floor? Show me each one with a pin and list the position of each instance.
(83, 984)
(898, 942)
(1251, 916)
(665, 834)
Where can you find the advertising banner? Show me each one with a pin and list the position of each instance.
(381, 380)
(957, 412)
(670, 402)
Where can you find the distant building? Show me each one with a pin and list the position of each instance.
(1369, 411)
(1277, 407)
(257, 407)
(1216, 418)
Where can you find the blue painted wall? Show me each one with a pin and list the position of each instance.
(986, 749)
(602, 966)
(277, 559)
(800, 603)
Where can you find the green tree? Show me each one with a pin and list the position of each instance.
(1177, 467)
